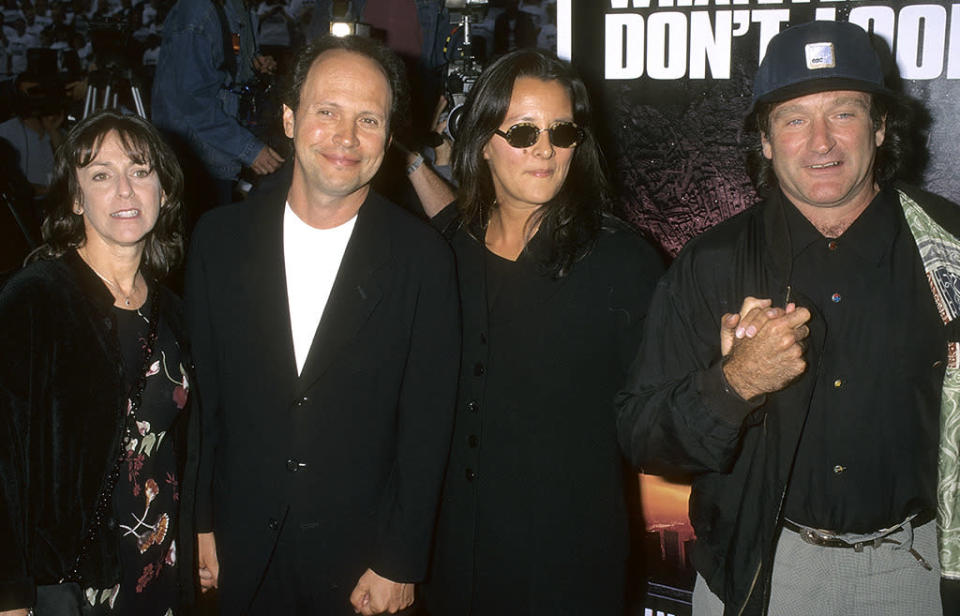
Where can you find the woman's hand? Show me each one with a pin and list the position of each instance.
(208, 567)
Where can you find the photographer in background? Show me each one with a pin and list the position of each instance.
(35, 131)
(209, 52)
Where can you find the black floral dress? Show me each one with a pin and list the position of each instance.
(145, 499)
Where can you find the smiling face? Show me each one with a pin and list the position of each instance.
(340, 128)
(120, 197)
(822, 147)
(526, 178)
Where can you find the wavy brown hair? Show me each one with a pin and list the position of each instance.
(63, 230)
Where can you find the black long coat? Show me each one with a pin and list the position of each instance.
(533, 519)
(354, 448)
(62, 404)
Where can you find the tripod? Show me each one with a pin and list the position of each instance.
(103, 89)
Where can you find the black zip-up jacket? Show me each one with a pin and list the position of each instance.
(676, 412)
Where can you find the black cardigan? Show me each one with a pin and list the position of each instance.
(61, 418)
(533, 519)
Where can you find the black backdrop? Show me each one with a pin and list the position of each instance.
(670, 81)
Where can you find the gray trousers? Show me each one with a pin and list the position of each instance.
(810, 580)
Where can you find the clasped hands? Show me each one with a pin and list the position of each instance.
(763, 346)
(373, 594)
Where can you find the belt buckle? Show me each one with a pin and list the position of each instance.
(812, 537)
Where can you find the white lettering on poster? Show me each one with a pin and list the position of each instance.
(676, 39)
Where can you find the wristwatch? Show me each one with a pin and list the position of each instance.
(413, 166)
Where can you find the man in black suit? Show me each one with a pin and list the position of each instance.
(325, 334)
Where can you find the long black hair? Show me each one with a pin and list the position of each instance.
(572, 219)
(63, 230)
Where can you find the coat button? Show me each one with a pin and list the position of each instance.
(473, 440)
(473, 406)
(302, 401)
(273, 524)
(470, 474)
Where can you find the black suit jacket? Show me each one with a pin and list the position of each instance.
(354, 448)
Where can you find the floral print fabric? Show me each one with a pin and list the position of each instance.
(146, 497)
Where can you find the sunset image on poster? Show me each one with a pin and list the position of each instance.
(667, 539)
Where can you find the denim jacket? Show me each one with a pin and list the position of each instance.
(192, 96)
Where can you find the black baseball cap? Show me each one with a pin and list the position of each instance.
(817, 56)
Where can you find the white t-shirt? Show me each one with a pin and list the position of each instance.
(311, 259)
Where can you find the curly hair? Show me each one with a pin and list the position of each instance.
(572, 219)
(387, 60)
(64, 230)
(898, 157)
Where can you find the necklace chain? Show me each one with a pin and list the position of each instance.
(125, 298)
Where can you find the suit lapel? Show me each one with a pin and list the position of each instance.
(356, 291)
(271, 310)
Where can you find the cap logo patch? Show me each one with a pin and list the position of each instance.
(820, 55)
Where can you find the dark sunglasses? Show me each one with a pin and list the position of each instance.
(525, 134)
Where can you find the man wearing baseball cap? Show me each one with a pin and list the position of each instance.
(801, 358)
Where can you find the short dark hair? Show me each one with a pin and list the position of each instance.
(573, 218)
(388, 61)
(898, 157)
(63, 230)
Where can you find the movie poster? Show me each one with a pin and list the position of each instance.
(671, 82)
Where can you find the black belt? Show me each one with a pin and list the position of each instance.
(830, 539)
(827, 539)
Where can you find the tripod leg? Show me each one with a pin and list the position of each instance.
(90, 104)
(137, 101)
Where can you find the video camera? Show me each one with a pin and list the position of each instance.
(464, 65)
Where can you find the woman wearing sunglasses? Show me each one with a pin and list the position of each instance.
(553, 294)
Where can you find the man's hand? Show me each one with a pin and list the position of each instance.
(265, 64)
(267, 161)
(76, 90)
(439, 123)
(729, 331)
(19, 612)
(766, 352)
(208, 566)
(378, 595)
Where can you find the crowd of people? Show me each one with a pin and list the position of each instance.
(357, 409)
(211, 81)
